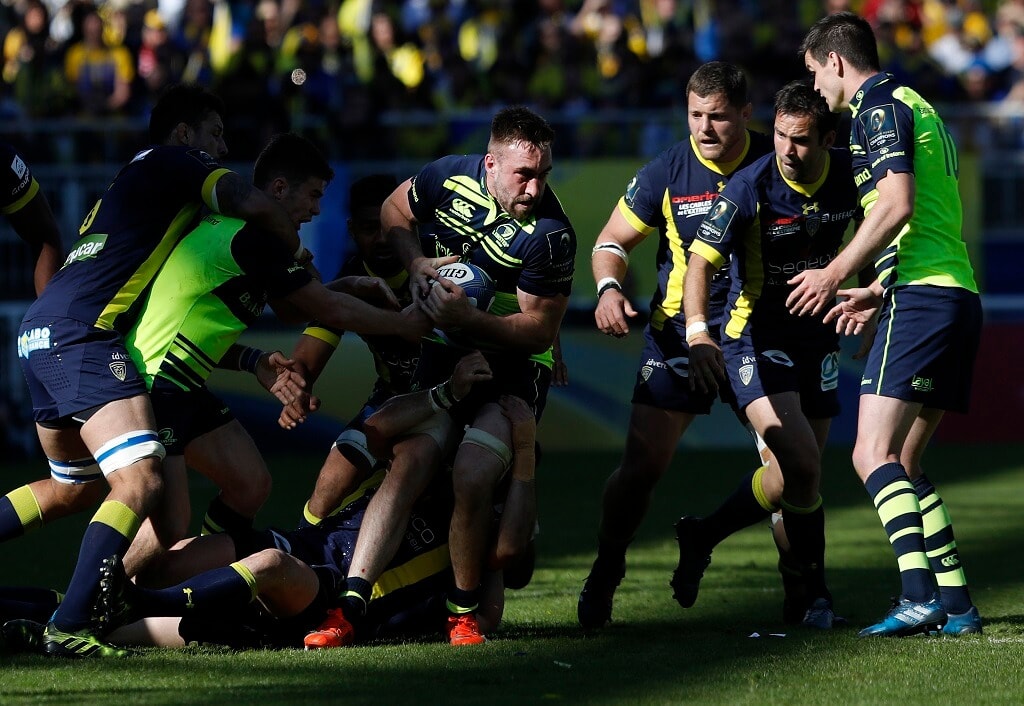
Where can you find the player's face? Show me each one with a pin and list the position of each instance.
(302, 202)
(517, 175)
(718, 128)
(209, 137)
(827, 81)
(364, 229)
(799, 151)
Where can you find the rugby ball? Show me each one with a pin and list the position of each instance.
(477, 284)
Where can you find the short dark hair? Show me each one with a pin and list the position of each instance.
(518, 123)
(366, 195)
(182, 103)
(717, 77)
(290, 156)
(847, 34)
(797, 98)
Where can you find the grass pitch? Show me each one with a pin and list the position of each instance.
(655, 652)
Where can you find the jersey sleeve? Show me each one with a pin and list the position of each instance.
(265, 258)
(641, 205)
(427, 188)
(549, 269)
(187, 172)
(729, 218)
(887, 136)
(17, 185)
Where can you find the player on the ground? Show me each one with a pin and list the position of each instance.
(671, 194)
(213, 286)
(783, 214)
(26, 207)
(92, 413)
(495, 211)
(929, 313)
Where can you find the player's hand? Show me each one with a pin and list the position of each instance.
(447, 305)
(856, 314)
(423, 271)
(375, 290)
(296, 413)
(613, 310)
(559, 370)
(815, 289)
(280, 376)
(471, 369)
(707, 366)
(305, 259)
(524, 423)
(415, 323)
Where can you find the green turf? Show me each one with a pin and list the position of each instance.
(655, 652)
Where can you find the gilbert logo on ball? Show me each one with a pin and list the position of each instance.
(477, 284)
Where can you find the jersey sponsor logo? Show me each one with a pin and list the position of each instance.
(778, 357)
(120, 369)
(504, 234)
(880, 126)
(714, 226)
(830, 371)
(87, 248)
(141, 155)
(167, 436)
(463, 209)
(19, 167)
(781, 273)
(413, 192)
(202, 157)
(253, 303)
(691, 205)
(921, 384)
(631, 191)
(36, 339)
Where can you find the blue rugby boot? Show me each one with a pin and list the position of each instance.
(908, 617)
(968, 623)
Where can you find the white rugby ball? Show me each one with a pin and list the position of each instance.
(477, 284)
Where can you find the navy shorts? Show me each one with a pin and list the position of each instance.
(71, 367)
(925, 347)
(182, 416)
(512, 375)
(663, 380)
(808, 366)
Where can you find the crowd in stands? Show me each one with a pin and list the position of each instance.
(362, 60)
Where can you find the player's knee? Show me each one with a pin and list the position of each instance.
(140, 447)
(267, 560)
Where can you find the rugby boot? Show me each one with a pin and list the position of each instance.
(463, 629)
(334, 631)
(908, 617)
(968, 623)
(693, 561)
(594, 607)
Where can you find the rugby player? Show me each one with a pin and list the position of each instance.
(29, 213)
(928, 310)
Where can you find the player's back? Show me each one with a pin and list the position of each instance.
(125, 238)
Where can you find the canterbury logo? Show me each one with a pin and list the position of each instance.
(462, 208)
(951, 561)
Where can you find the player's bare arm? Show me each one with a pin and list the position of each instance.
(370, 289)
(706, 363)
(399, 226)
(609, 263)
(36, 225)
(532, 330)
(310, 356)
(815, 289)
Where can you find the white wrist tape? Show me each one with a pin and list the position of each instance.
(613, 248)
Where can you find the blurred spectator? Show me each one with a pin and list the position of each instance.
(99, 74)
(159, 62)
(32, 67)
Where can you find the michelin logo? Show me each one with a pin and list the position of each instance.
(36, 339)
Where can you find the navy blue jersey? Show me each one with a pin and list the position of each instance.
(671, 194)
(128, 234)
(776, 228)
(17, 186)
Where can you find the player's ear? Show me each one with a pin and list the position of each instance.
(829, 139)
(182, 133)
(748, 111)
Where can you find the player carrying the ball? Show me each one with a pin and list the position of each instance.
(494, 211)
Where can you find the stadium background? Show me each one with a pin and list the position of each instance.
(609, 77)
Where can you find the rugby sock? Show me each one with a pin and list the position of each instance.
(308, 518)
(28, 602)
(805, 528)
(109, 532)
(221, 518)
(355, 596)
(19, 513)
(213, 591)
(747, 506)
(460, 602)
(940, 545)
(900, 512)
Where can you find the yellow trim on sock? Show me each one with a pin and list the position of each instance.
(932, 553)
(118, 517)
(757, 487)
(27, 507)
(905, 532)
(310, 517)
(951, 579)
(913, 560)
(250, 580)
(797, 510)
(460, 610)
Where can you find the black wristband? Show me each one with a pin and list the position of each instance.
(609, 285)
(249, 358)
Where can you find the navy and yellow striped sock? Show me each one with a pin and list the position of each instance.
(355, 597)
(940, 544)
(805, 528)
(212, 592)
(896, 503)
(109, 532)
(221, 518)
(746, 506)
(19, 513)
